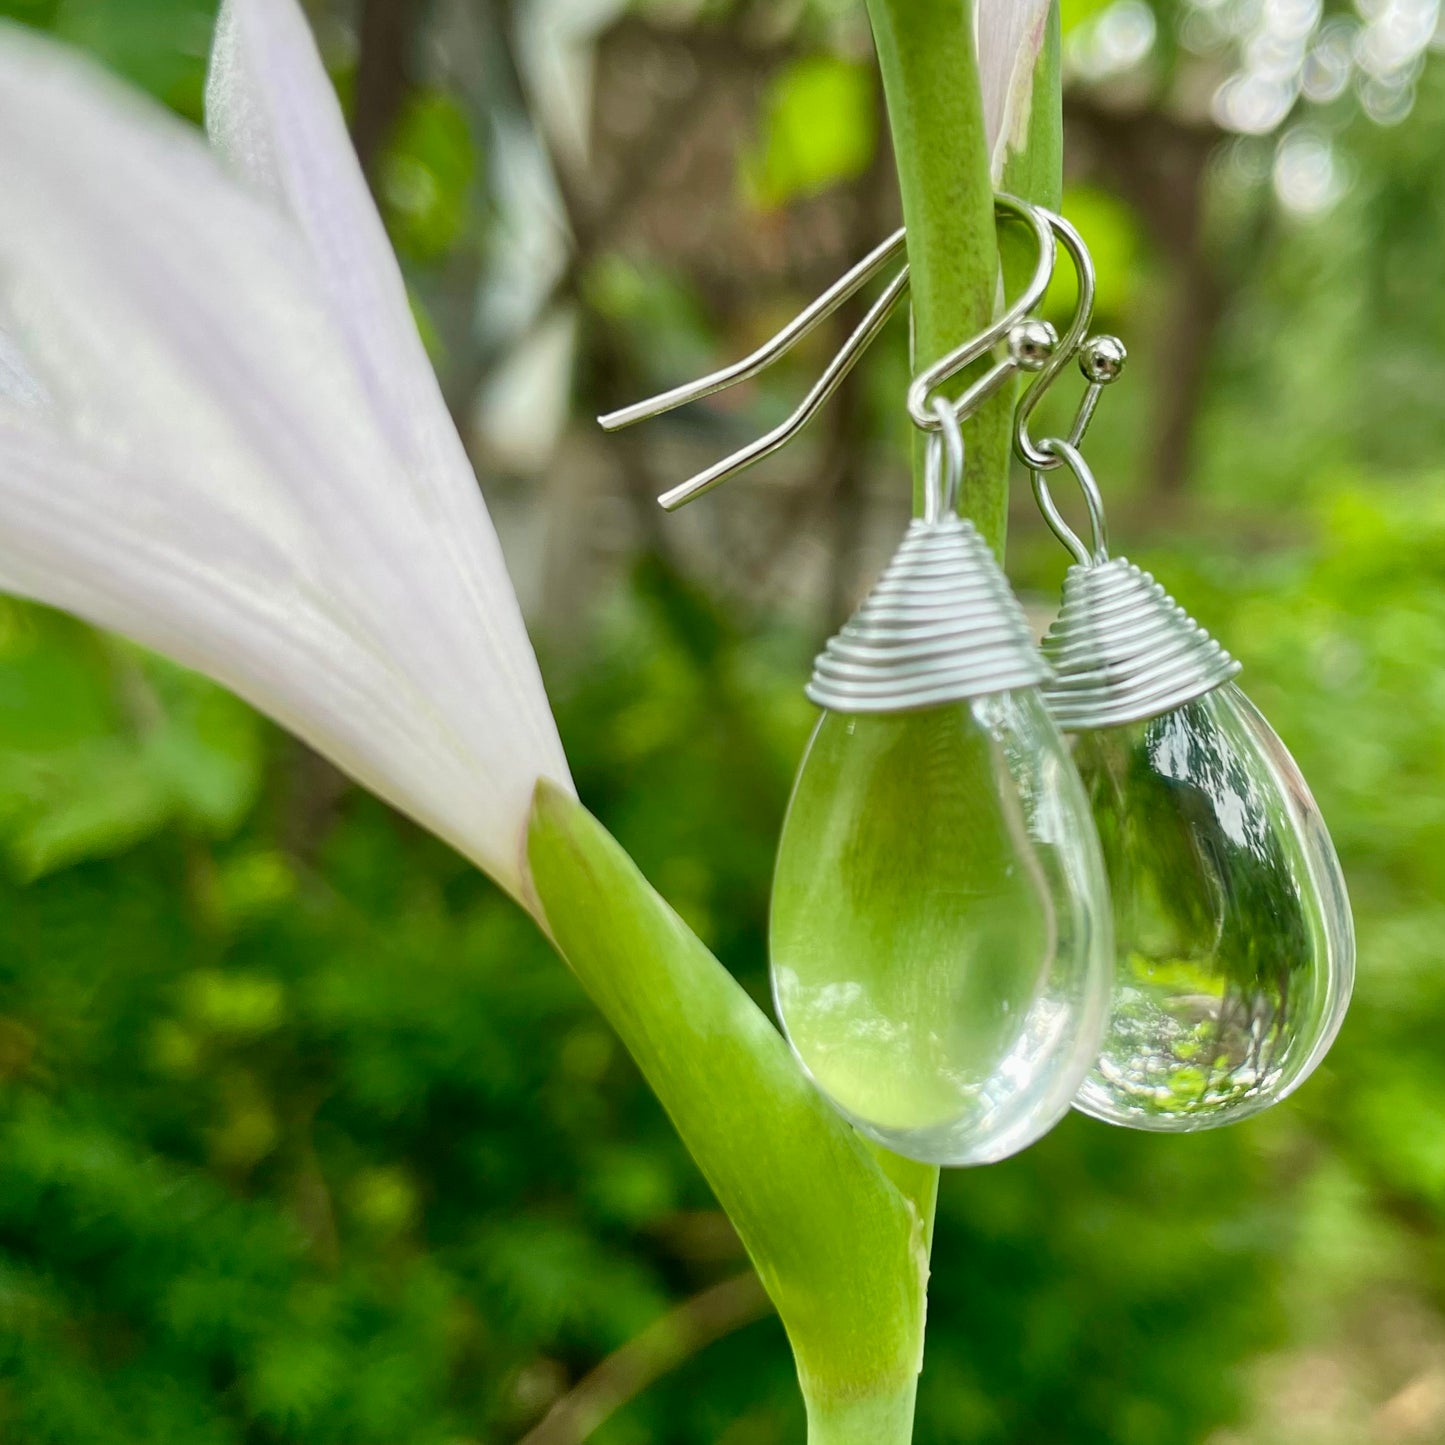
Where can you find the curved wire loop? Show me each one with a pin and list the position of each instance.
(1063, 453)
(927, 382)
(921, 409)
(1037, 455)
(943, 464)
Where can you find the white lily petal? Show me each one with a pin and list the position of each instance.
(215, 481)
(274, 118)
(81, 535)
(19, 385)
(1010, 35)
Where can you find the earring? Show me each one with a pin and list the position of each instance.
(1233, 936)
(939, 937)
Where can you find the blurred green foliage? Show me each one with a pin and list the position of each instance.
(306, 1137)
(799, 156)
(427, 179)
(309, 1138)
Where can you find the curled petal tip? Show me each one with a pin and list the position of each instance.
(1010, 36)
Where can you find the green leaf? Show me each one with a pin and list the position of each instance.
(160, 45)
(103, 745)
(839, 1242)
(205, 752)
(1076, 12)
(89, 802)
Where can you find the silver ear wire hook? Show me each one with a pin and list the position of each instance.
(1030, 346)
(831, 379)
(1031, 343)
(1101, 359)
(772, 350)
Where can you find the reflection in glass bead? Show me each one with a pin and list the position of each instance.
(1235, 948)
(940, 932)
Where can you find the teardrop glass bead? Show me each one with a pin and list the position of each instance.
(1235, 947)
(940, 930)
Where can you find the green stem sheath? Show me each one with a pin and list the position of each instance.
(877, 1420)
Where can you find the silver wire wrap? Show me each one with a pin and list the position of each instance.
(1121, 648)
(941, 625)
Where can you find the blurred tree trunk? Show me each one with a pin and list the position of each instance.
(386, 30)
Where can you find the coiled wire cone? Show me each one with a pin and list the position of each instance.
(940, 625)
(1123, 650)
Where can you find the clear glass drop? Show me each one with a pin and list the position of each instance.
(940, 928)
(1235, 947)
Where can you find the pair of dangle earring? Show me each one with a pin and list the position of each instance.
(976, 923)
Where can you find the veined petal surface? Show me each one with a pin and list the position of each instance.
(273, 117)
(213, 477)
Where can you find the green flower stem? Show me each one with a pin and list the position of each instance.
(935, 112)
(838, 1232)
(930, 81)
(926, 53)
(882, 1420)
